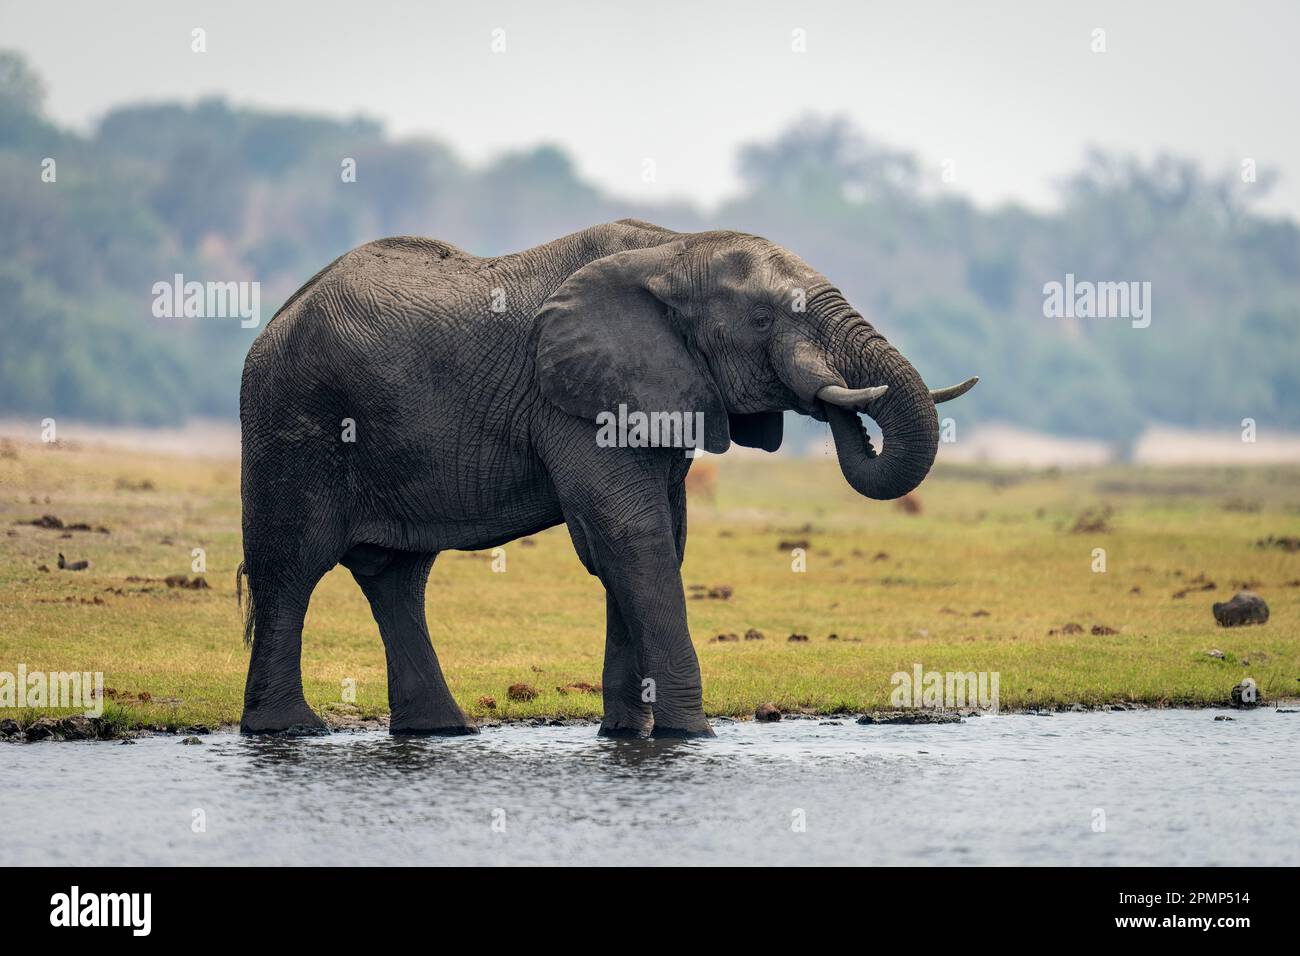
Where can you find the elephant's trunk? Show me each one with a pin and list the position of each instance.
(905, 414)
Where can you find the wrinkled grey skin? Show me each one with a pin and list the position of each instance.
(476, 426)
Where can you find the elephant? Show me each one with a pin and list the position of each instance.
(412, 398)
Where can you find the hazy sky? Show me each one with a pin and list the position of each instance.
(1010, 92)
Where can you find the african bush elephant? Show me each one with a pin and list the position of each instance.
(412, 398)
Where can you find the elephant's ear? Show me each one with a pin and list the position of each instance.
(606, 337)
(759, 430)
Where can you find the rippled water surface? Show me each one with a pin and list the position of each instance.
(1175, 787)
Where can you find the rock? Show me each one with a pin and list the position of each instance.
(1101, 630)
(9, 727)
(910, 717)
(1222, 717)
(767, 712)
(797, 638)
(725, 638)
(521, 692)
(43, 728)
(1246, 607)
(1216, 654)
(191, 741)
(489, 703)
(753, 634)
(1247, 694)
(78, 727)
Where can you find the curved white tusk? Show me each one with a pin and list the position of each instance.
(854, 398)
(953, 391)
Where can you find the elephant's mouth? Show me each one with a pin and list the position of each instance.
(857, 439)
(890, 392)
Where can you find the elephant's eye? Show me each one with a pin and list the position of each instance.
(761, 317)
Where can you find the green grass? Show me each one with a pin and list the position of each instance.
(993, 541)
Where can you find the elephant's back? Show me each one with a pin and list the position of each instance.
(389, 318)
(411, 250)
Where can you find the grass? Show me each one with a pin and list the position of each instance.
(975, 582)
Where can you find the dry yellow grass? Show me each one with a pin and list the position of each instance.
(974, 582)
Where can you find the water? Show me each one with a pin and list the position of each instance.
(1176, 787)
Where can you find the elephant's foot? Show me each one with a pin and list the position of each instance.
(443, 730)
(662, 732)
(290, 720)
(680, 726)
(431, 722)
(625, 716)
(620, 728)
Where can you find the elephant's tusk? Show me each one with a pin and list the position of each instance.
(854, 398)
(953, 391)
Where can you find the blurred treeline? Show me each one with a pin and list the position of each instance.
(222, 193)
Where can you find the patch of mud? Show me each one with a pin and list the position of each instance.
(55, 523)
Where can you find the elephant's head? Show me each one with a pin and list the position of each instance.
(740, 329)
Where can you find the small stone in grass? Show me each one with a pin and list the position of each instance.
(767, 712)
(1246, 607)
(521, 692)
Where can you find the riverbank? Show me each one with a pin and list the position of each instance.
(78, 727)
(1089, 587)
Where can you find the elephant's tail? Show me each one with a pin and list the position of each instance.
(241, 575)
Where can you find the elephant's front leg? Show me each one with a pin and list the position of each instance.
(635, 556)
(627, 709)
(670, 670)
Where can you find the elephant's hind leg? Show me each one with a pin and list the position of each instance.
(418, 697)
(273, 695)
